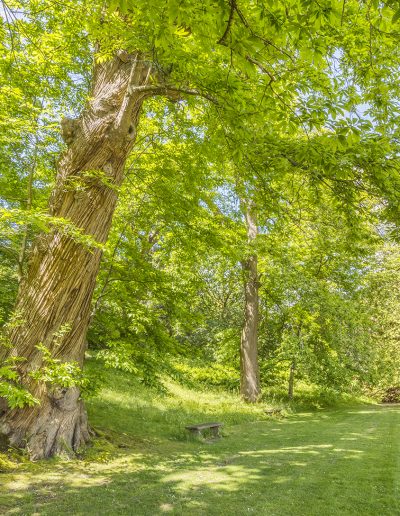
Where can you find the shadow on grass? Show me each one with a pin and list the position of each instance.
(334, 463)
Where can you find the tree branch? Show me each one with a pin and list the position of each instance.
(266, 41)
(222, 40)
(172, 92)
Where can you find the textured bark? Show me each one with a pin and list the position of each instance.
(59, 284)
(249, 378)
(291, 379)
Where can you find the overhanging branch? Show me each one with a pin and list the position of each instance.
(171, 92)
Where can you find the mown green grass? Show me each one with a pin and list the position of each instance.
(342, 461)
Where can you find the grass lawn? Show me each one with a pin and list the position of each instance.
(327, 462)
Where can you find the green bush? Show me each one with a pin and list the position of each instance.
(214, 375)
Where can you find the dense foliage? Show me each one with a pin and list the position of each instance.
(289, 105)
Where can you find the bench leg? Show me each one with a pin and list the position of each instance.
(195, 433)
(215, 431)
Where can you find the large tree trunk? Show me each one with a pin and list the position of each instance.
(249, 378)
(57, 290)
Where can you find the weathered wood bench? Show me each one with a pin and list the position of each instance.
(273, 412)
(199, 429)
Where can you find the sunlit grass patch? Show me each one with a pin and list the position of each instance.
(143, 462)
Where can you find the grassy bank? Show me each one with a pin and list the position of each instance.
(328, 462)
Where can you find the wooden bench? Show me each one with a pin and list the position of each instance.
(273, 412)
(199, 429)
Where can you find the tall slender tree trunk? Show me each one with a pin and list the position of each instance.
(291, 379)
(249, 378)
(60, 280)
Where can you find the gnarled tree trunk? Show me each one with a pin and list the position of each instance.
(249, 378)
(59, 284)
